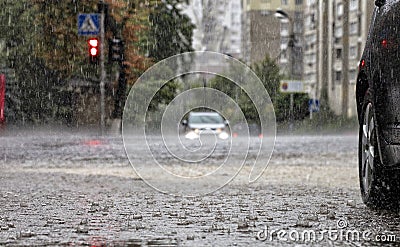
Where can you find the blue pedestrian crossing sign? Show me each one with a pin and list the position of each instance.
(88, 24)
(313, 105)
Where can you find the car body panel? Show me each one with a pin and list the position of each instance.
(379, 79)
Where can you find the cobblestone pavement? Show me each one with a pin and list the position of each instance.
(79, 189)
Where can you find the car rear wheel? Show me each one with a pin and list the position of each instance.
(377, 187)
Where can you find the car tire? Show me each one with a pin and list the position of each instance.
(378, 187)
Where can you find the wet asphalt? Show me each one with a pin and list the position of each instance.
(78, 188)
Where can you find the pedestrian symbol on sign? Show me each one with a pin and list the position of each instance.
(88, 24)
(313, 105)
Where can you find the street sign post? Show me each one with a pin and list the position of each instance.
(2, 99)
(89, 24)
(93, 25)
(313, 106)
(288, 86)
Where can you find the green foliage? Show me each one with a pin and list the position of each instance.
(58, 43)
(42, 45)
(325, 122)
(157, 104)
(171, 31)
(34, 81)
(164, 96)
(238, 95)
(268, 72)
(170, 34)
(282, 106)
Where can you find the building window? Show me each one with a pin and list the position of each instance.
(298, 15)
(352, 75)
(353, 4)
(339, 53)
(310, 21)
(285, 2)
(338, 76)
(284, 40)
(299, 2)
(353, 28)
(338, 40)
(339, 10)
(311, 59)
(298, 27)
(265, 13)
(311, 39)
(283, 56)
(353, 52)
(339, 32)
(310, 2)
(284, 28)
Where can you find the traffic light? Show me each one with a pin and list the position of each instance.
(94, 50)
(116, 50)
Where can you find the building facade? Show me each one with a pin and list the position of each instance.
(329, 40)
(263, 33)
(334, 38)
(218, 25)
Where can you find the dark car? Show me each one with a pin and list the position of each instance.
(378, 107)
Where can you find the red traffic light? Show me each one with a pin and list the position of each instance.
(93, 42)
(93, 49)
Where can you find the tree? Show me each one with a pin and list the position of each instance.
(32, 94)
(282, 106)
(66, 52)
(238, 95)
(151, 30)
(171, 31)
(45, 49)
(269, 73)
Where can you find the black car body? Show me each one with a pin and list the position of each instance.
(378, 107)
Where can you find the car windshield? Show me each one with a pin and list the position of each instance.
(206, 119)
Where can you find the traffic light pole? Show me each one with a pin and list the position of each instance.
(102, 70)
(116, 54)
(119, 101)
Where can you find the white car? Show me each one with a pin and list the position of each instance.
(199, 123)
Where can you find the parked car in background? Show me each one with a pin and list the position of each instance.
(378, 107)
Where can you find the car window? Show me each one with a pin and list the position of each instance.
(205, 119)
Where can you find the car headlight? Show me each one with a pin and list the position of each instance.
(192, 135)
(223, 135)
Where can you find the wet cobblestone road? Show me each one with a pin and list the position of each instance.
(79, 189)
